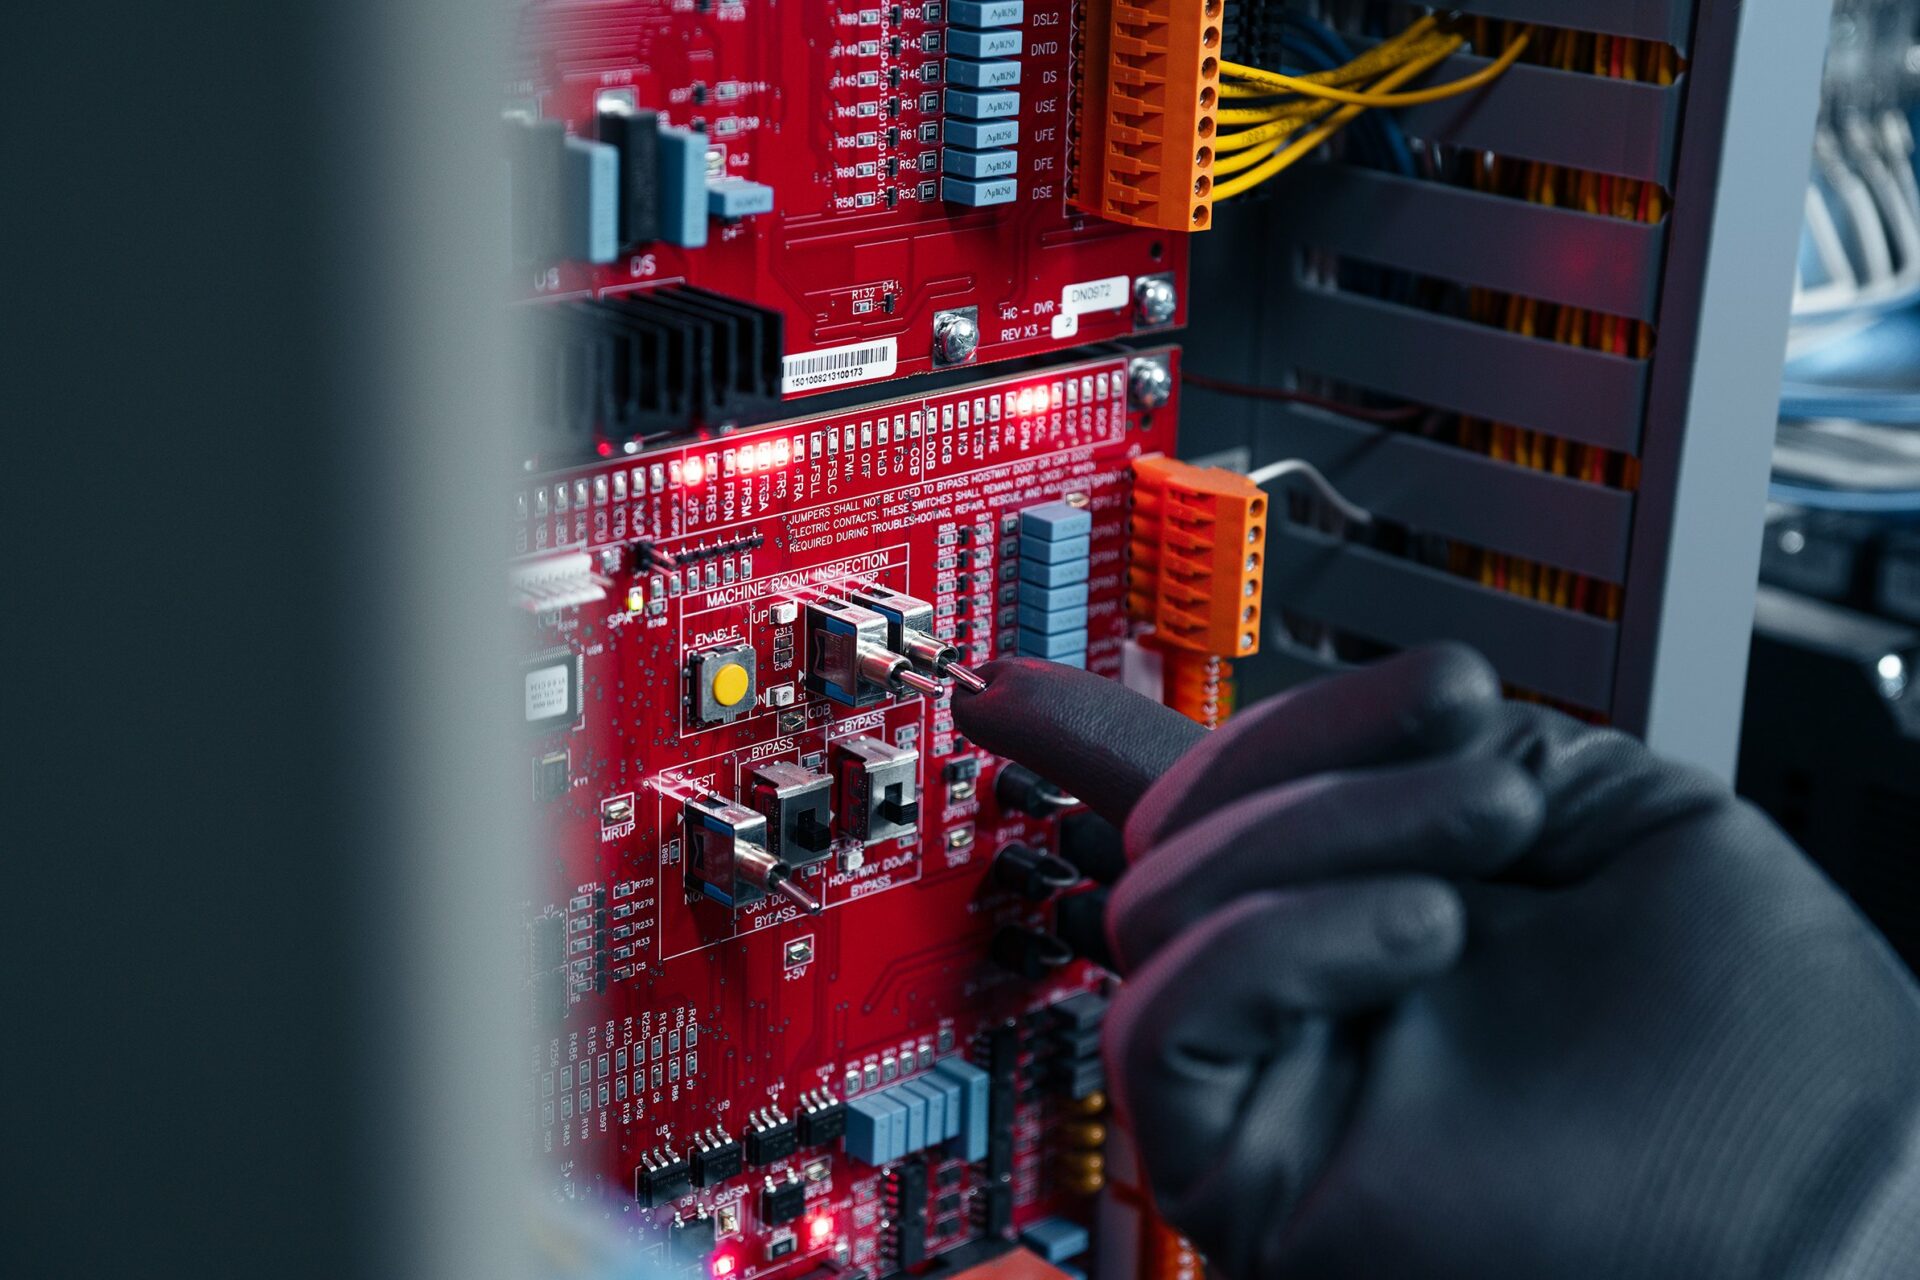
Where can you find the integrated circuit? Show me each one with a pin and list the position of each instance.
(550, 691)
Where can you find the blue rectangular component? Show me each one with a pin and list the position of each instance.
(915, 1103)
(981, 135)
(983, 44)
(979, 164)
(979, 192)
(1054, 575)
(987, 13)
(1032, 548)
(683, 187)
(949, 1092)
(1058, 620)
(983, 104)
(983, 75)
(935, 1104)
(1056, 1239)
(1049, 599)
(1052, 521)
(593, 200)
(1060, 644)
(872, 1122)
(897, 1135)
(970, 1143)
(738, 198)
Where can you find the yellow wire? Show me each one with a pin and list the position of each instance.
(1275, 159)
(1294, 105)
(1244, 157)
(1284, 119)
(1384, 56)
(1278, 127)
(1246, 115)
(1372, 98)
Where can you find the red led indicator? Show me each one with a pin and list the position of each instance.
(693, 471)
(819, 1231)
(723, 1265)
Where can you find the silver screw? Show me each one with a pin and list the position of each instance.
(1149, 383)
(1890, 673)
(1155, 300)
(955, 337)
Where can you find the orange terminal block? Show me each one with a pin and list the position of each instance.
(1199, 686)
(1197, 546)
(1149, 82)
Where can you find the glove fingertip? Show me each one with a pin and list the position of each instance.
(1503, 813)
(1093, 736)
(1451, 694)
(1422, 925)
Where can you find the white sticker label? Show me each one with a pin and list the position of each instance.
(1095, 295)
(1065, 324)
(837, 366)
(547, 693)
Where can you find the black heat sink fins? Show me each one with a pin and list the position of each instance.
(636, 135)
(649, 364)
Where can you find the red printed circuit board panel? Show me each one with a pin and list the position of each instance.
(719, 742)
(867, 175)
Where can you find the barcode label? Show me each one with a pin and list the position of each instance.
(837, 366)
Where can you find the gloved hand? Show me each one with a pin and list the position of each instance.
(1426, 984)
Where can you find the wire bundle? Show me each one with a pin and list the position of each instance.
(1850, 393)
(1861, 240)
(1287, 117)
(1265, 129)
(1593, 193)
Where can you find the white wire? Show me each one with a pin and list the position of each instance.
(1896, 135)
(1895, 211)
(1826, 243)
(1884, 151)
(1286, 467)
(1862, 213)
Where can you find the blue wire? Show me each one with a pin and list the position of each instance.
(1341, 52)
(1891, 502)
(1338, 50)
(1313, 57)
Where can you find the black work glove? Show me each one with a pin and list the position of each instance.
(1426, 984)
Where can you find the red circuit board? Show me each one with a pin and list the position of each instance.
(795, 96)
(683, 1016)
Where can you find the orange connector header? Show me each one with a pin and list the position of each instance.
(1149, 81)
(1197, 544)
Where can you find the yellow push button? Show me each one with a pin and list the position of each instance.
(730, 684)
